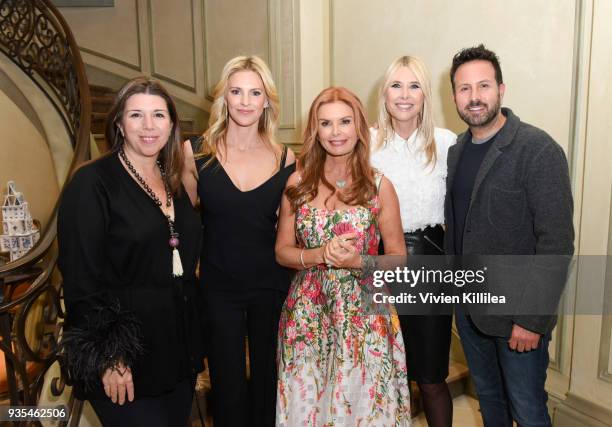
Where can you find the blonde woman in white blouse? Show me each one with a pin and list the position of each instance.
(411, 152)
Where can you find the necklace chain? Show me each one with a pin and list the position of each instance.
(151, 193)
(177, 267)
(144, 184)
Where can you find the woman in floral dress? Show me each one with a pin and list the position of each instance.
(340, 363)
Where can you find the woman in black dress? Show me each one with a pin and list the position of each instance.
(241, 173)
(128, 248)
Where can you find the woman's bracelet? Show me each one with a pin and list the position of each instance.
(368, 265)
(302, 258)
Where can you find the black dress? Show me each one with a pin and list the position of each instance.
(116, 265)
(244, 289)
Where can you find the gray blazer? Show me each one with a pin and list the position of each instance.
(521, 204)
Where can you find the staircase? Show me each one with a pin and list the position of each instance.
(37, 40)
(102, 98)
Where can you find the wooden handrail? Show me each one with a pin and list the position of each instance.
(35, 36)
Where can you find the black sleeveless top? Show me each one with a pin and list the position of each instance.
(240, 230)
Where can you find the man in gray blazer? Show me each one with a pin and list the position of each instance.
(508, 193)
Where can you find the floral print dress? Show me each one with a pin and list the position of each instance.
(339, 365)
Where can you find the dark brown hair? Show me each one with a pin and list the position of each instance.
(476, 53)
(312, 156)
(171, 156)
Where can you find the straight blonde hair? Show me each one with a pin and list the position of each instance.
(214, 137)
(425, 124)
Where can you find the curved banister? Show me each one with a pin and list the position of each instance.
(35, 36)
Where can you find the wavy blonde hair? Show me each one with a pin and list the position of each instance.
(425, 124)
(214, 137)
(311, 161)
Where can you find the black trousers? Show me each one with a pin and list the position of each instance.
(232, 315)
(167, 410)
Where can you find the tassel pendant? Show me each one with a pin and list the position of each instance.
(177, 265)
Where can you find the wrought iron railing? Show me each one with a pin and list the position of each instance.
(35, 36)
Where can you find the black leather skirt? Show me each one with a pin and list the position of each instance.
(426, 337)
(429, 241)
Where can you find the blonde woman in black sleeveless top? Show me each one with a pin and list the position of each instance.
(239, 175)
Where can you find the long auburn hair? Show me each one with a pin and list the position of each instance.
(425, 124)
(214, 137)
(312, 157)
(171, 156)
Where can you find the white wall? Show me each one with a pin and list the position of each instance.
(367, 36)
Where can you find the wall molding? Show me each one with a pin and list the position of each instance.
(111, 59)
(575, 152)
(208, 85)
(575, 411)
(604, 368)
(135, 67)
(297, 73)
(159, 75)
(273, 28)
(191, 93)
(577, 109)
(332, 45)
(283, 21)
(279, 41)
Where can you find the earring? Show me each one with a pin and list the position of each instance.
(267, 104)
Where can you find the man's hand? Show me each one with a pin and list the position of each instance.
(522, 339)
(118, 383)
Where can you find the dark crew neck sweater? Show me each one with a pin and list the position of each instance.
(463, 184)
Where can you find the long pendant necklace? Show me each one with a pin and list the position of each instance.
(177, 266)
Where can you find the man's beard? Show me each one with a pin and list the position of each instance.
(483, 119)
